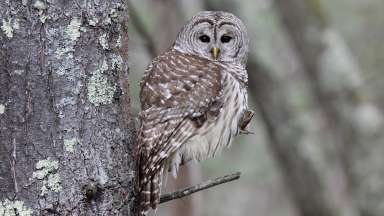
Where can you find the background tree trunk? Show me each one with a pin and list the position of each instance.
(284, 133)
(339, 97)
(66, 133)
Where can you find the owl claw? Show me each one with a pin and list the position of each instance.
(245, 120)
(246, 132)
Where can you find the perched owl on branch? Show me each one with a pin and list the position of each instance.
(193, 99)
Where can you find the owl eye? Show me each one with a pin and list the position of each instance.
(204, 38)
(225, 39)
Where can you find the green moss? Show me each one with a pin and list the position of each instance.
(69, 144)
(73, 29)
(14, 208)
(100, 91)
(46, 171)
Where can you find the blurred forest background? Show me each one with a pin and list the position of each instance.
(316, 84)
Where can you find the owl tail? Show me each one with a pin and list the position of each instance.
(145, 198)
(150, 193)
(155, 191)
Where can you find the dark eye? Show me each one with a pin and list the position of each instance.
(225, 39)
(204, 38)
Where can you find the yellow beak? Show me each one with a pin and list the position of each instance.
(215, 53)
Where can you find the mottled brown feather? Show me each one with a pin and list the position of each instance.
(177, 91)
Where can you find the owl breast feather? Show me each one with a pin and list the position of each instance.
(218, 130)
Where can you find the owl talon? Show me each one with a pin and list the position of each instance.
(246, 132)
(245, 120)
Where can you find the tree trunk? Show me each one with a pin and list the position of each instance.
(302, 180)
(66, 133)
(343, 104)
(285, 135)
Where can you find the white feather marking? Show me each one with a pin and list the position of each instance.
(165, 90)
(163, 155)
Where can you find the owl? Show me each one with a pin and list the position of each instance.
(193, 99)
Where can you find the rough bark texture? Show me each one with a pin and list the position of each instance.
(66, 135)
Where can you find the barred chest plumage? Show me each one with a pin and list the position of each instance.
(218, 131)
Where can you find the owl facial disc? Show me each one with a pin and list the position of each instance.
(214, 35)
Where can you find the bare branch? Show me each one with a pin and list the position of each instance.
(199, 187)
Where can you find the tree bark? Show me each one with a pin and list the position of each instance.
(66, 133)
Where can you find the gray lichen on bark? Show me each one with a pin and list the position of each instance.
(66, 98)
(13, 208)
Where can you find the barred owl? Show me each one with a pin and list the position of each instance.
(193, 99)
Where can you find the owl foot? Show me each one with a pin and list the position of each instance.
(246, 132)
(244, 122)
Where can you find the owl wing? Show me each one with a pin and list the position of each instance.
(178, 93)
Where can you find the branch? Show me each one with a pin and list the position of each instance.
(199, 187)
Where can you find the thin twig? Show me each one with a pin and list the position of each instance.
(196, 188)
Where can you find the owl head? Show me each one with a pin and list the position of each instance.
(214, 35)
